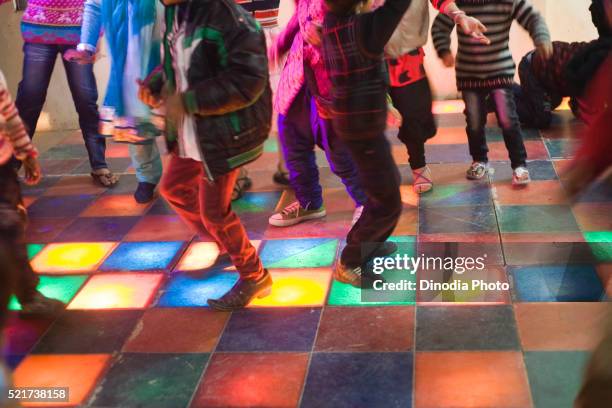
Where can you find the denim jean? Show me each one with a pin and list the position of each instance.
(207, 209)
(507, 118)
(299, 131)
(146, 161)
(38, 64)
(380, 179)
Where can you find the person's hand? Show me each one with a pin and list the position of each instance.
(32, 170)
(146, 96)
(448, 60)
(544, 51)
(394, 117)
(82, 57)
(472, 27)
(312, 34)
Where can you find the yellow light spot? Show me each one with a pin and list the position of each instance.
(453, 106)
(73, 257)
(117, 291)
(202, 255)
(297, 287)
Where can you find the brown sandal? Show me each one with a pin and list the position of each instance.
(105, 178)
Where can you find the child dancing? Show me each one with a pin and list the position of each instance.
(15, 140)
(484, 70)
(353, 47)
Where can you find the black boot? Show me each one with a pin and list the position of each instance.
(144, 192)
(242, 293)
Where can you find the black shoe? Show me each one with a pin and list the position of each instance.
(42, 306)
(144, 192)
(385, 249)
(242, 293)
(281, 177)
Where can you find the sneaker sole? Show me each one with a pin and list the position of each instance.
(422, 188)
(294, 221)
(521, 183)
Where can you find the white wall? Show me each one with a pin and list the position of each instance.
(568, 20)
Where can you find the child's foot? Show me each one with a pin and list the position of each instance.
(242, 293)
(520, 176)
(421, 180)
(356, 215)
(144, 192)
(477, 170)
(40, 305)
(294, 214)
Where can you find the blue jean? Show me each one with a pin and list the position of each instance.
(147, 162)
(507, 118)
(38, 64)
(299, 131)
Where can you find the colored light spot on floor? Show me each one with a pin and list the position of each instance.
(256, 202)
(564, 105)
(301, 287)
(34, 249)
(117, 291)
(299, 253)
(342, 294)
(77, 372)
(71, 257)
(202, 255)
(186, 290)
(601, 245)
(57, 287)
(409, 197)
(455, 106)
(141, 256)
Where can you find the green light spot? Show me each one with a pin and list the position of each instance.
(601, 245)
(317, 257)
(57, 287)
(34, 249)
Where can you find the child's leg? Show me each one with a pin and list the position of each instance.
(508, 120)
(380, 179)
(476, 117)
(414, 103)
(338, 156)
(10, 197)
(297, 141)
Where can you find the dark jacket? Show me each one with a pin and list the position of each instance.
(228, 85)
(353, 48)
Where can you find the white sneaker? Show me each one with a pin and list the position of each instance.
(356, 215)
(294, 214)
(477, 170)
(520, 176)
(421, 180)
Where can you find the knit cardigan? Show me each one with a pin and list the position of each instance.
(52, 22)
(481, 66)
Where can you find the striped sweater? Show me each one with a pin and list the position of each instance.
(264, 11)
(480, 66)
(13, 136)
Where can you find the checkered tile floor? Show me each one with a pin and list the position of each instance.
(137, 332)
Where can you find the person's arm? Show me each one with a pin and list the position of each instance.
(91, 26)
(13, 126)
(441, 30)
(531, 20)
(239, 83)
(470, 25)
(285, 38)
(14, 129)
(378, 26)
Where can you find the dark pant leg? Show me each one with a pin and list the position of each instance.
(297, 142)
(511, 126)
(476, 118)
(38, 63)
(414, 102)
(534, 106)
(380, 179)
(26, 280)
(82, 83)
(338, 156)
(225, 226)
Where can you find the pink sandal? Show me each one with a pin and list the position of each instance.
(422, 180)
